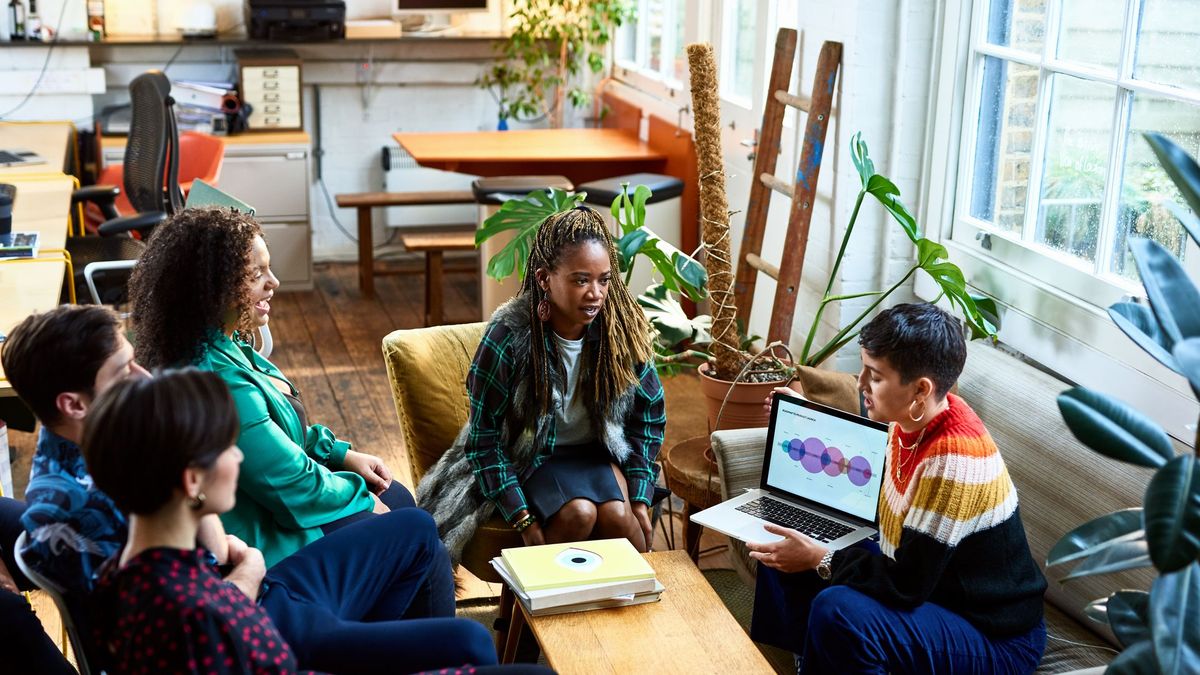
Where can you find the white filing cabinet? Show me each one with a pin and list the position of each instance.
(269, 171)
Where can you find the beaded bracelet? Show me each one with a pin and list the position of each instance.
(524, 523)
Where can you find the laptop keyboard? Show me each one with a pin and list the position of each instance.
(811, 524)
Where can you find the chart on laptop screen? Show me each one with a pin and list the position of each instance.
(827, 459)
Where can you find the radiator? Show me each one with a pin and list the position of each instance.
(401, 174)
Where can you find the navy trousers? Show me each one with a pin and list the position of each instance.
(836, 629)
(376, 596)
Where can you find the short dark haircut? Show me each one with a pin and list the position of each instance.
(142, 433)
(58, 351)
(918, 340)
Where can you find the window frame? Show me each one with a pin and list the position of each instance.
(1063, 325)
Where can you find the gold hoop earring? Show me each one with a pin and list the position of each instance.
(197, 502)
(924, 407)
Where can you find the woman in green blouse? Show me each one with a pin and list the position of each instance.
(200, 291)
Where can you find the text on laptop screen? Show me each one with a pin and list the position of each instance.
(827, 459)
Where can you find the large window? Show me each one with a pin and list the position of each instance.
(1054, 169)
(653, 44)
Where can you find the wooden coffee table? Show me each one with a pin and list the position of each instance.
(687, 631)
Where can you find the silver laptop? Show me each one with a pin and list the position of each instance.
(822, 473)
(17, 157)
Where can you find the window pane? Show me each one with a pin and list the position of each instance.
(1077, 147)
(741, 37)
(626, 42)
(1019, 24)
(1145, 186)
(1090, 32)
(1167, 40)
(654, 25)
(1005, 139)
(679, 59)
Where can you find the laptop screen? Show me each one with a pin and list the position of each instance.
(825, 456)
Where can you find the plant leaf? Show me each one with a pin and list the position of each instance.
(1180, 166)
(1187, 357)
(1137, 659)
(1172, 505)
(1186, 218)
(1173, 297)
(1139, 324)
(629, 245)
(525, 215)
(988, 309)
(1174, 616)
(1121, 556)
(1127, 613)
(1114, 429)
(889, 195)
(673, 324)
(1095, 534)
(862, 160)
(950, 279)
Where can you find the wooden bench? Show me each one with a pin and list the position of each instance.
(365, 201)
(433, 245)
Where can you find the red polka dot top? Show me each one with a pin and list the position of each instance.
(167, 611)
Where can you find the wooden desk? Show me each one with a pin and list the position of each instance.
(688, 631)
(579, 154)
(51, 140)
(42, 205)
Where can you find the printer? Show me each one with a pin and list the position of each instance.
(296, 20)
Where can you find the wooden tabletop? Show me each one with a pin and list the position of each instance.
(42, 205)
(250, 138)
(579, 154)
(51, 140)
(688, 631)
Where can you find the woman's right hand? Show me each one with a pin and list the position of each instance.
(779, 390)
(532, 536)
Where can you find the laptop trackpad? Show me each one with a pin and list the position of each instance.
(755, 533)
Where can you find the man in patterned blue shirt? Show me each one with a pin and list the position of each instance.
(58, 362)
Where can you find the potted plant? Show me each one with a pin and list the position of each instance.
(551, 42)
(1157, 628)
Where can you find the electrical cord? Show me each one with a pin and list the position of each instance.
(174, 56)
(45, 64)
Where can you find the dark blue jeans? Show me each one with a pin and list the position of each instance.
(395, 497)
(836, 629)
(376, 596)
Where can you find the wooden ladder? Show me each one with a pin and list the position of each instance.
(802, 192)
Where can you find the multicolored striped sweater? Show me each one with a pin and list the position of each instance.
(950, 530)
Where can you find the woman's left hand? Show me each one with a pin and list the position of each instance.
(641, 513)
(794, 553)
(371, 468)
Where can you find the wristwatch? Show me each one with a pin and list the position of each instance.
(823, 569)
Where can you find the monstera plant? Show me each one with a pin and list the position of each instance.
(1159, 629)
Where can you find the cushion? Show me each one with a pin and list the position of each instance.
(427, 368)
(829, 387)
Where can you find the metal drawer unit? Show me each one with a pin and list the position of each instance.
(269, 82)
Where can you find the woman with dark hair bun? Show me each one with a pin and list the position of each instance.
(163, 450)
(951, 587)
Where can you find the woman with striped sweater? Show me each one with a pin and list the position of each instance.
(951, 586)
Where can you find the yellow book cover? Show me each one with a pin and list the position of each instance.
(572, 564)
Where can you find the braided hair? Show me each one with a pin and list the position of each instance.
(624, 332)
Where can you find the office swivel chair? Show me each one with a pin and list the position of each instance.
(151, 171)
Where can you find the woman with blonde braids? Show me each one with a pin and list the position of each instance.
(566, 410)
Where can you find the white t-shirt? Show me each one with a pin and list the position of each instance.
(572, 424)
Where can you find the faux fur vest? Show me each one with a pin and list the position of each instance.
(449, 490)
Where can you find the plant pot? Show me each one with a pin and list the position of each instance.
(744, 407)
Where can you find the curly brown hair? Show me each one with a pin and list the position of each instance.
(193, 273)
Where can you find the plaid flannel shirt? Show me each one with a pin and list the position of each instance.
(490, 385)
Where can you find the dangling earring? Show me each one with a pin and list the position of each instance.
(197, 502)
(923, 409)
(543, 308)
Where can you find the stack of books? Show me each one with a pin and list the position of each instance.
(578, 576)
